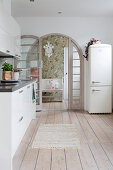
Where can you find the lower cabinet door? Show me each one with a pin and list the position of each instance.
(17, 133)
(17, 119)
(28, 108)
(23, 111)
(100, 99)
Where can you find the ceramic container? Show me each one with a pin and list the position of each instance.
(7, 75)
(16, 75)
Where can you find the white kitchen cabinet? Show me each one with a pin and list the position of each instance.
(17, 42)
(29, 109)
(17, 109)
(7, 22)
(21, 117)
(18, 117)
(6, 44)
(10, 34)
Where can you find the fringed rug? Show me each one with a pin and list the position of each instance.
(57, 136)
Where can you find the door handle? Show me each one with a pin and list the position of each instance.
(21, 119)
(21, 91)
(96, 82)
(95, 90)
(7, 51)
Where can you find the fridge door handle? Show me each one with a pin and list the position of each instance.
(96, 82)
(95, 90)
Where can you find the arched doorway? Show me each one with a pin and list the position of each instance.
(75, 69)
(73, 78)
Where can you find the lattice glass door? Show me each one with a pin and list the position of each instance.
(30, 64)
(75, 78)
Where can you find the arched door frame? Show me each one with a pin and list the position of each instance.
(79, 50)
(71, 41)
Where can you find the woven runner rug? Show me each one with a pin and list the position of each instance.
(57, 136)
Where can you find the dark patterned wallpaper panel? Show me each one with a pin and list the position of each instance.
(53, 66)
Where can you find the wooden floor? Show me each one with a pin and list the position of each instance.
(55, 106)
(95, 133)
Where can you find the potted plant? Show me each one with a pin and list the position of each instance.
(16, 73)
(91, 42)
(7, 71)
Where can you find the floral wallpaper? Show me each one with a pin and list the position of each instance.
(53, 67)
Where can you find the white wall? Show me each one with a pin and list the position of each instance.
(7, 5)
(80, 29)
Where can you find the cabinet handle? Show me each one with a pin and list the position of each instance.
(28, 87)
(21, 119)
(7, 51)
(34, 101)
(16, 54)
(21, 91)
(95, 90)
(96, 82)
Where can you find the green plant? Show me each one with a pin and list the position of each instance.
(91, 42)
(7, 67)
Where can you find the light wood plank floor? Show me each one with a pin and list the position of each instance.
(95, 133)
(55, 106)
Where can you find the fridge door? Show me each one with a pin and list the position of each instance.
(100, 99)
(100, 65)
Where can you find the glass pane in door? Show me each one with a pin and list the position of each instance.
(75, 102)
(30, 62)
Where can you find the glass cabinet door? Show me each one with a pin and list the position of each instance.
(30, 63)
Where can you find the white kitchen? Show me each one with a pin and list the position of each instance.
(56, 85)
(17, 98)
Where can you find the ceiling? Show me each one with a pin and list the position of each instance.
(69, 8)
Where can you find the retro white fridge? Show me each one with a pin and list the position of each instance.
(100, 79)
